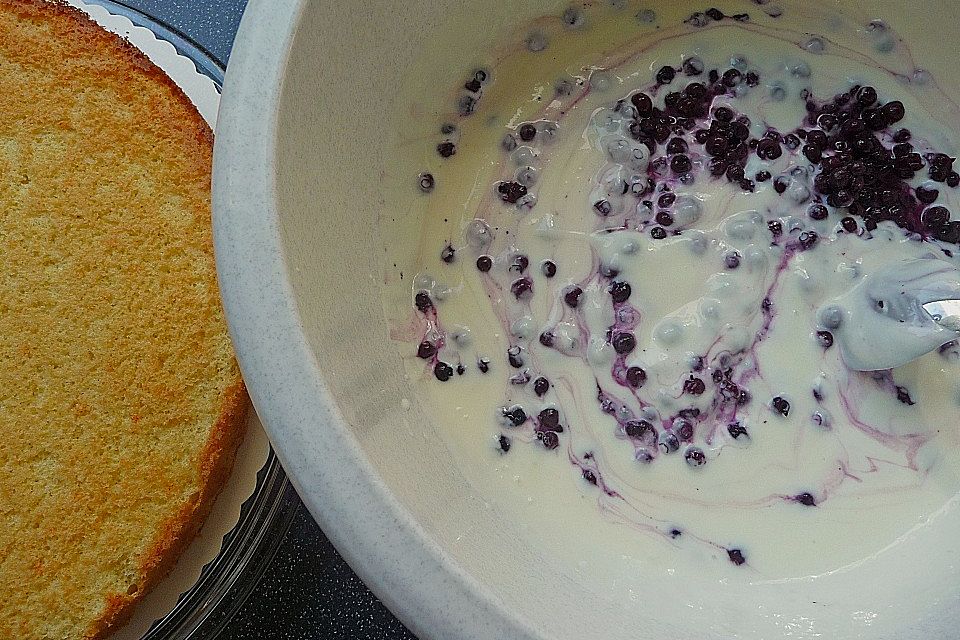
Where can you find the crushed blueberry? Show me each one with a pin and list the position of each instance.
(446, 149)
(780, 405)
(423, 302)
(442, 371)
(515, 415)
(511, 192)
(737, 430)
(904, 396)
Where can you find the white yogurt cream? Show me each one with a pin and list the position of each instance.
(685, 339)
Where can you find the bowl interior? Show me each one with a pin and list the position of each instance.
(301, 221)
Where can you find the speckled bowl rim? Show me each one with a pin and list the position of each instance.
(391, 553)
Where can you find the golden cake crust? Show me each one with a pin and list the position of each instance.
(121, 402)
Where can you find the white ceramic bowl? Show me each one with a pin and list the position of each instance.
(298, 253)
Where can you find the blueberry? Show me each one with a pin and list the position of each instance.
(825, 338)
(527, 132)
(624, 343)
(695, 457)
(680, 164)
(442, 371)
(504, 443)
(641, 430)
(817, 212)
(448, 254)
(426, 350)
(732, 260)
(461, 369)
(893, 111)
(849, 224)
(805, 499)
(736, 556)
(572, 297)
(540, 386)
(548, 268)
(677, 145)
(808, 239)
(515, 415)
(658, 233)
(694, 386)
(781, 406)
(426, 182)
(446, 149)
(603, 207)
(666, 199)
(768, 149)
(683, 428)
(935, 217)
(423, 302)
(520, 263)
(775, 227)
(866, 96)
(549, 439)
(511, 191)
(514, 357)
(693, 66)
(762, 176)
(483, 364)
(484, 264)
(714, 14)
(723, 114)
(665, 75)
(635, 377)
(549, 420)
(664, 219)
(737, 430)
(620, 291)
(668, 442)
(643, 104)
(925, 194)
(522, 288)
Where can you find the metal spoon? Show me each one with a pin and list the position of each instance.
(897, 314)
